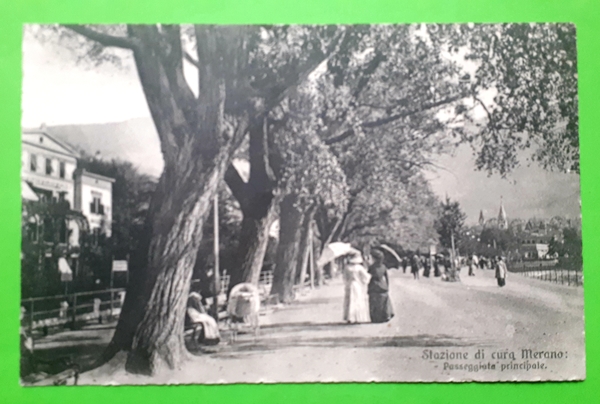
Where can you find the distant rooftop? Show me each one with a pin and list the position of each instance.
(86, 173)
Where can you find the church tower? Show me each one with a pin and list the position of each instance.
(502, 219)
(481, 218)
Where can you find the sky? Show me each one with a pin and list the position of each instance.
(59, 91)
(528, 192)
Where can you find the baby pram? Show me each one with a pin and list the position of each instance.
(243, 308)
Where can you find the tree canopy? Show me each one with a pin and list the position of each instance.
(352, 117)
(449, 223)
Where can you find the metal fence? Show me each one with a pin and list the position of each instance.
(570, 277)
(265, 281)
(42, 313)
(69, 309)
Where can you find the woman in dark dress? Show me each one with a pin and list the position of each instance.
(380, 306)
(426, 266)
(437, 262)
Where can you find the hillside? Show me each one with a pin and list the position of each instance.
(134, 140)
(529, 191)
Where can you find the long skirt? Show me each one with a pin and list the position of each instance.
(380, 307)
(501, 282)
(355, 303)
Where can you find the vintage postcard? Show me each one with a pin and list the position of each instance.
(300, 203)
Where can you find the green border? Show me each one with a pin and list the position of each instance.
(585, 13)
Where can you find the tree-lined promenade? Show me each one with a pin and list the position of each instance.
(432, 317)
(337, 123)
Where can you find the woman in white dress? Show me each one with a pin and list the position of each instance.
(356, 280)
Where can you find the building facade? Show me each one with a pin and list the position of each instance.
(60, 202)
(93, 198)
(49, 169)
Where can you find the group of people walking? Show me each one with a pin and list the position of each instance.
(366, 296)
(425, 264)
(442, 266)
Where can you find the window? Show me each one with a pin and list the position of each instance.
(48, 167)
(96, 204)
(48, 230)
(33, 163)
(63, 232)
(61, 169)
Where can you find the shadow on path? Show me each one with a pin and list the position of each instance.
(264, 344)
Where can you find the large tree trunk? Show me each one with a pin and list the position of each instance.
(290, 233)
(254, 239)
(305, 246)
(257, 200)
(158, 341)
(196, 156)
(197, 147)
(319, 278)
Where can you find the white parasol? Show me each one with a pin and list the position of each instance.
(335, 250)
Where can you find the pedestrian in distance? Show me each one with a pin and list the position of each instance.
(380, 305)
(414, 265)
(501, 271)
(437, 262)
(473, 263)
(426, 266)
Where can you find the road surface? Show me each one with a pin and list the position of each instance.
(472, 330)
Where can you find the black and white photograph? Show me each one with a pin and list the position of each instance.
(220, 204)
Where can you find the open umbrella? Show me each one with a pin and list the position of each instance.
(335, 250)
(389, 250)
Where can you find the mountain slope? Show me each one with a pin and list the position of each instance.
(134, 140)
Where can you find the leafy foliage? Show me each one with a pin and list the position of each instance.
(569, 249)
(307, 166)
(131, 193)
(449, 223)
(500, 88)
(532, 71)
(503, 240)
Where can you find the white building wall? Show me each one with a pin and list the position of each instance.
(52, 182)
(89, 186)
(79, 187)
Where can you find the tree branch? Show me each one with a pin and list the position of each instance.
(382, 121)
(103, 39)
(339, 138)
(236, 184)
(334, 47)
(391, 118)
(487, 111)
(191, 59)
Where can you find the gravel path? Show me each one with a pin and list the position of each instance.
(438, 329)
